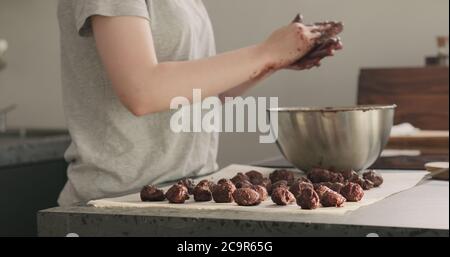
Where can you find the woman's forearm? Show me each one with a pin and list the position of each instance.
(212, 76)
(244, 87)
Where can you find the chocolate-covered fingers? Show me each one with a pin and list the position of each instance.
(328, 29)
(325, 50)
(306, 64)
(298, 19)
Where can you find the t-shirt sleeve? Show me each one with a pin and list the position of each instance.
(85, 9)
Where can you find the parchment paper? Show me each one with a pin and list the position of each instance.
(395, 181)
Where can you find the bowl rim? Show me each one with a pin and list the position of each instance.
(334, 109)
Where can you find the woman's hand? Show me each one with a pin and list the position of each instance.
(326, 46)
(294, 47)
(289, 44)
(314, 58)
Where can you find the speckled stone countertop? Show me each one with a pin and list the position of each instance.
(19, 147)
(420, 211)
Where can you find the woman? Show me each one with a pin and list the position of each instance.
(123, 61)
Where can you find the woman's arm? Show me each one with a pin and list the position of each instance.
(244, 87)
(311, 60)
(144, 86)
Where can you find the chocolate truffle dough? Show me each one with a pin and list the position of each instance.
(240, 177)
(329, 198)
(223, 191)
(188, 183)
(177, 194)
(262, 191)
(352, 192)
(298, 186)
(246, 197)
(374, 177)
(281, 196)
(152, 194)
(282, 174)
(255, 177)
(308, 199)
(202, 192)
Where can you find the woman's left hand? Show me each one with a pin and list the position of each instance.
(325, 49)
(314, 58)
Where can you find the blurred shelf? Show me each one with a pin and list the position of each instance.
(427, 141)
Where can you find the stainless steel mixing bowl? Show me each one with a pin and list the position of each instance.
(333, 138)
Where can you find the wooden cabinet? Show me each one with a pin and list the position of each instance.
(420, 93)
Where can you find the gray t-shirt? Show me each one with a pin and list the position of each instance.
(113, 152)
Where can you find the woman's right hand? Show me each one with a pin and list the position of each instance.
(290, 43)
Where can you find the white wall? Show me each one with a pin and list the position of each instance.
(32, 78)
(378, 33)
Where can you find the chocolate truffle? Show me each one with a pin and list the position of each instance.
(364, 183)
(282, 196)
(177, 194)
(239, 178)
(255, 177)
(336, 177)
(329, 198)
(280, 183)
(304, 179)
(321, 189)
(267, 183)
(202, 192)
(349, 174)
(189, 184)
(152, 194)
(317, 185)
(319, 175)
(278, 175)
(209, 183)
(223, 192)
(244, 184)
(308, 199)
(352, 192)
(373, 176)
(298, 186)
(224, 181)
(358, 180)
(336, 187)
(246, 197)
(262, 191)
(367, 184)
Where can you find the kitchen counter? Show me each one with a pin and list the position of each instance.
(19, 147)
(420, 211)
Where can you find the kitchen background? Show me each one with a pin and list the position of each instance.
(378, 33)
